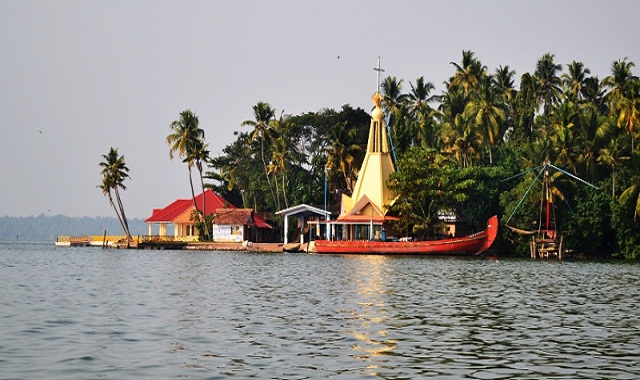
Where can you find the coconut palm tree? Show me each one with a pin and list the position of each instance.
(487, 114)
(186, 139)
(106, 187)
(611, 156)
(574, 80)
(393, 104)
(562, 135)
(420, 112)
(629, 113)
(594, 129)
(279, 166)
(503, 84)
(463, 139)
(548, 88)
(619, 82)
(632, 195)
(524, 109)
(468, 73)
(114, 172)
(285, 151)
(420, 94)
(341, 153)
(593, 94)
(199, 155)
(263, 114)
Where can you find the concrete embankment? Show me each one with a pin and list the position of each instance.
(253, 247)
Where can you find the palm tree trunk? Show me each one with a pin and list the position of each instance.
(124, 217)
(266, 172)
(346, 180)
(193, 194)
(284, 192)
(275, 179)
(204, 208)
(117, 213)
(613, 177)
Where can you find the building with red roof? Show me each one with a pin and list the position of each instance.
(230, 223)
(237, 225)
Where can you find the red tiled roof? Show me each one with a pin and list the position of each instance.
(230, 216)
(261, 223)
(170, 212)
(212, 200)
(239, 216)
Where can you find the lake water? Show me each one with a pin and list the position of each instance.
(87, 313)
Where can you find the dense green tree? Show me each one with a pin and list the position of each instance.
(426, 187)
(623, 97)
(612, 156)
(263, 114)
(524, 111)
(232, 172)
(632, 195)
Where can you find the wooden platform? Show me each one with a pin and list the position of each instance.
(546, 248)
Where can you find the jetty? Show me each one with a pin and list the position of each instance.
(156, 242)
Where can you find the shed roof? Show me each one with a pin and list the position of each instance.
(303, 210)
(239, 216)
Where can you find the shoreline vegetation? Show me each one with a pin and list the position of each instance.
(454, 148)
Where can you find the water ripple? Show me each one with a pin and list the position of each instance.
(88, 313)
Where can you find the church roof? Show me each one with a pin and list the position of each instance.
(361, 204)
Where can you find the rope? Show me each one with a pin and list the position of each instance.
(525, 194)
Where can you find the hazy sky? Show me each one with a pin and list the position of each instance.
(79, 77)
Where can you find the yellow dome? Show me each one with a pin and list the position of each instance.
(377, 114)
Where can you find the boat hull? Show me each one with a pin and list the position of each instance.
(471, 245)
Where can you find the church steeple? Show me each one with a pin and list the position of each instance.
(371, 194)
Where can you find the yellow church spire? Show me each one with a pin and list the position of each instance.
(371, 194)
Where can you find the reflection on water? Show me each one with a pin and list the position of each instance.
(87, 313)
(372, 312)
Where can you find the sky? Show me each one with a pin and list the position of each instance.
(80, 77)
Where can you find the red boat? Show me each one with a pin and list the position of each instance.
(470, 245)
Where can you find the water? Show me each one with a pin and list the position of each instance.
(86, 313)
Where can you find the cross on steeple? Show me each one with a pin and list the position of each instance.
(378, 69)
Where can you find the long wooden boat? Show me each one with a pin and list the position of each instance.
(470, 245)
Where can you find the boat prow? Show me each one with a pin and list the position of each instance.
(492, 232)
